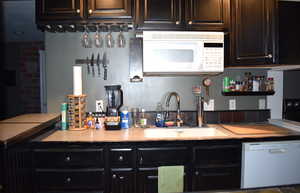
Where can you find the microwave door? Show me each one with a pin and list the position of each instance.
(172, 57)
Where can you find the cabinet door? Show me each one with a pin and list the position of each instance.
(158, 14)
(253, 37)
(112, 9)
(216, 178)
(122, 181)
(147, 181)
(207, 14)
(59, 9)
(1, 170)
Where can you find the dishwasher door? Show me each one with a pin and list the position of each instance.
(267, 164)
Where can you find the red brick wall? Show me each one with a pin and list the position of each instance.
(30, 76)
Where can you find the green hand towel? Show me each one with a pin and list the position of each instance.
(170, 179)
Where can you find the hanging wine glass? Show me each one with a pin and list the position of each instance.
(86, 41)
(109, 39)
(121, 38)
(98, 39)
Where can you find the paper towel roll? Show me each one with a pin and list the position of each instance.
(77, 80)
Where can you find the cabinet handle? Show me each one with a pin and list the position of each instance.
(196, 173)
(121, 158)
(77, 10)
(190, 22)
(114, 176)
(90, 11)
(68, 179)
(177, 22)
(68, 158)
(141, 160)
(269, 56)
(122, 177)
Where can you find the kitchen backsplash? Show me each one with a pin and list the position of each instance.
(62, 49)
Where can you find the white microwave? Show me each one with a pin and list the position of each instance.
(181, 52)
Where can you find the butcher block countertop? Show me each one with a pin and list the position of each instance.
(33, 118)
(161, 134)
(18, 128)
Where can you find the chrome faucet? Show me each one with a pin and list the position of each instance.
(178, 117)
(200, 114)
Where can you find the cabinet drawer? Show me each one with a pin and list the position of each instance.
(216, 178)
(121, 157)
(162, 156)
(71, 180)
(56, 158)
(217, 155)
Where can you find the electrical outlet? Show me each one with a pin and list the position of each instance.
(232, 104)
(99, 106)
(209, 105)
(262, 104)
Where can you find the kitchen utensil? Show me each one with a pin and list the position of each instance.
(121, 39)
(98, 39)
(109, 39)
(104, 64)
(92, 65)
(98, 64)
(88, 65)
(207, 83)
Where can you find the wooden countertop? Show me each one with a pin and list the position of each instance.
(33, 118)
(15, 129)
(139, 135)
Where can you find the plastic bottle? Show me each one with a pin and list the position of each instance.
(125, 118)
(143, 119)
(90, 121)
(159, 120)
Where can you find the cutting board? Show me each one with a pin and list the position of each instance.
(254, 129)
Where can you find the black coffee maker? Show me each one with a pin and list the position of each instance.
(114, 96)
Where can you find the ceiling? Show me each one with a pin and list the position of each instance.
(18, 21)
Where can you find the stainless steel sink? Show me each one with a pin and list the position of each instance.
(183, 132)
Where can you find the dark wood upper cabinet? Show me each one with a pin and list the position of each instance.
(189, 14)
(59, 10)
(158, 14)
(253, 36)
(112, 9)
(207, 14)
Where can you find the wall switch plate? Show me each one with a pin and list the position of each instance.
(209, 105)
(232, 104)
(99, 106)
(262, 104)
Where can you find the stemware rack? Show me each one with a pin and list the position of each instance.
(91, 27)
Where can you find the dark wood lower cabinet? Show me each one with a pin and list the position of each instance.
(122, 181)
(1, 170)
(216, 178)
(147, 181)
(133, 167)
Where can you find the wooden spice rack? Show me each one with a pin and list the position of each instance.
(76, 112)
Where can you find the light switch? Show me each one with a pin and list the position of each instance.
(209, 105)
(262, 104)
(232, 104)
(99, 106)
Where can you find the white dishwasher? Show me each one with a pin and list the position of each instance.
(267, 164)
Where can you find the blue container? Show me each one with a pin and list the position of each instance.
(124, 119)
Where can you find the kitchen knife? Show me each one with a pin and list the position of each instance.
(92, 65)
(88, 64)
(98, 64)
(104, 64)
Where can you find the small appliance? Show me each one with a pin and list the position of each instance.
(114, 96)
(183, 52)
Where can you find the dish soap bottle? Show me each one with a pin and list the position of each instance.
(143, 119)
(159, 120)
